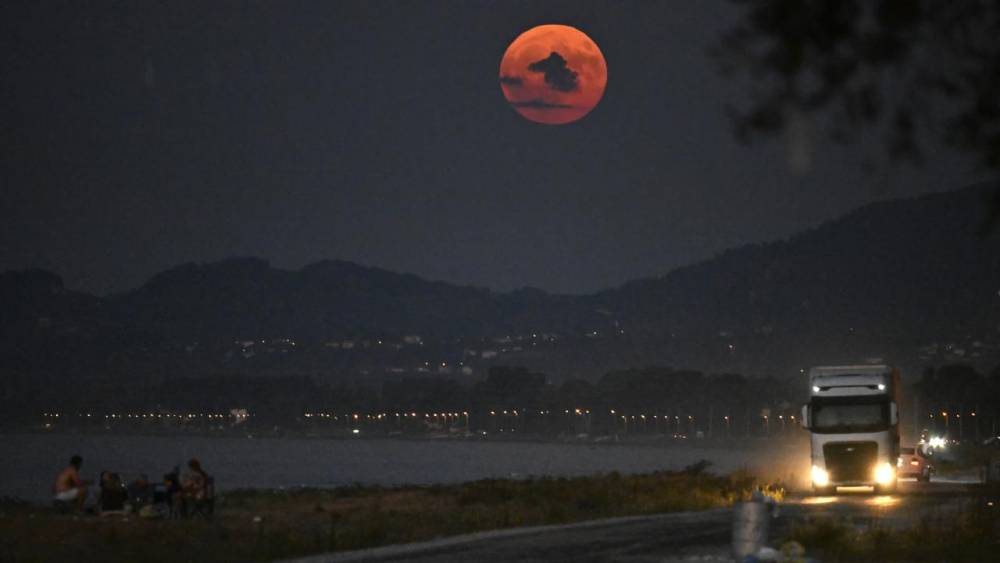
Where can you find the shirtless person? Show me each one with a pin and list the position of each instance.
(69, 487)
(195, 481)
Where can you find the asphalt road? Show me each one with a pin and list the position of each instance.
(686, 536)
(912, 502)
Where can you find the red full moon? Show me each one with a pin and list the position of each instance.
(553, 74)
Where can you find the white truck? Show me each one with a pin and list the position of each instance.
(853, 420)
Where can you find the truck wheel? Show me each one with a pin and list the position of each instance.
(925, 477)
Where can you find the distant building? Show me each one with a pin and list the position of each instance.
(239, 416)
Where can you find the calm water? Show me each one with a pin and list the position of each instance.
(31, 461)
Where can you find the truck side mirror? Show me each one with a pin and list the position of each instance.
(805, 417)
(893, 414)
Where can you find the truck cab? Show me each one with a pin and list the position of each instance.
(853, 419)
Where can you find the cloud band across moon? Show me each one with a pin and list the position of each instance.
(512, 81)
(539, 103)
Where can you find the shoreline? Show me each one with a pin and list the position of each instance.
(290, 463)
(649, 440)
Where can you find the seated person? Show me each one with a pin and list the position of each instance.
(198, 491)
(195, 482)
(170, 494)
(140, 492)
(113, 493)
(69, 488)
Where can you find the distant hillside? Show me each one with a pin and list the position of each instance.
(247, 298)
(908, 281)
(880, 281)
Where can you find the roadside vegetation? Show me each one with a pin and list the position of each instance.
(972, 534)
(267, 525)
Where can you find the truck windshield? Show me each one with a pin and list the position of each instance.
(844, 418)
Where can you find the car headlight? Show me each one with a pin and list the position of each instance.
(820, 477)
(884, 474)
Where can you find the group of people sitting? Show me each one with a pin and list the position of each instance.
(192, 494)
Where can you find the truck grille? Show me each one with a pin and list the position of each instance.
(850, 461)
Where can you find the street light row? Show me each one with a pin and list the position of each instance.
(149, 415)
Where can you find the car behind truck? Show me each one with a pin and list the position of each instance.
(853, 420)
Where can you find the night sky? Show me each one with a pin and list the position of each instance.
(139, 135)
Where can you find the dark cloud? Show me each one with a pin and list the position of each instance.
(513, 81)
(557, 74)
(539, 103)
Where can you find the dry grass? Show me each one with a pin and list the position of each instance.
(309, 521)
(970, 535)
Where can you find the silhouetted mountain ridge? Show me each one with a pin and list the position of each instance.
(884, 280)
(889, 274)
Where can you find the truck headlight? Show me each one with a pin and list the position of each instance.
(820, 477)
(884, 473)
